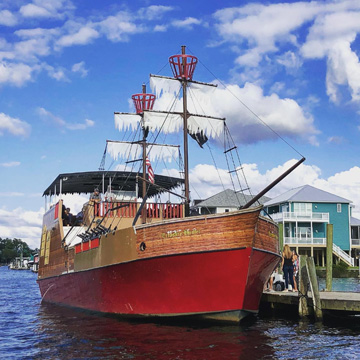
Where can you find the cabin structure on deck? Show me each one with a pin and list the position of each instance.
(117, 208)
(304, 213)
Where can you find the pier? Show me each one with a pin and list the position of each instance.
(346, 302)
(309, 301)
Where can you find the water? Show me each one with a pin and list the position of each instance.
(29, 330)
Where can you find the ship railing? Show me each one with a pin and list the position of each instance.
(153, 210)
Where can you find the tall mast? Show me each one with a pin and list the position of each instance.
(185, 115)
(143, 102)
(183, 67)
(143, 215)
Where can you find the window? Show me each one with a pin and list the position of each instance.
(338, 208)
(355, 232)
(303, 208)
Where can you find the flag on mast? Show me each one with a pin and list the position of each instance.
(150, 171)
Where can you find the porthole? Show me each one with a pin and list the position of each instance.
(142, 246)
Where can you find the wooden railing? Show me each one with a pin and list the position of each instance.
(129, 210)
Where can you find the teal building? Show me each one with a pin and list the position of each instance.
(305, 212)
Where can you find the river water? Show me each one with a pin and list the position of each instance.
(31, 330)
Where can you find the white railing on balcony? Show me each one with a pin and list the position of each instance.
(304, 241)
(300, 216)
(355, 241)
(343, 255)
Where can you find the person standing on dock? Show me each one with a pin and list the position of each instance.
(288, 267)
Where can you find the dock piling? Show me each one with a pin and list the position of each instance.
(303, 286)
(311, 272)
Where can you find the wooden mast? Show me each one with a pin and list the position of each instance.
(185, 115)
(143, 215)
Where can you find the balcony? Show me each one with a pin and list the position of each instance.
(355, 242)
(300, 216)
(304, 240)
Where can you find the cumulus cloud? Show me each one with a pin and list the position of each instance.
(46, 9)
(255, 30)
(15, 73)
(187, 23)
(27, 226)
(80, 68)
(83, 36)
(47, 115)
(13, 126)
(7, 18)
(153, 12)
(117, 28)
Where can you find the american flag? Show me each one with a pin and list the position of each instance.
(150, 171)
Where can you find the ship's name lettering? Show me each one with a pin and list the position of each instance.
(180, 232)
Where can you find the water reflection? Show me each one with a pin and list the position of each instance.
(70, 334)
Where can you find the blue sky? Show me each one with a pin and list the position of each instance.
(66, 66)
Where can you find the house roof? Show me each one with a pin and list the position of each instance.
(307, 193)
(354, 221)
(229, 198)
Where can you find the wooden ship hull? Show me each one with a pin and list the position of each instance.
(209, 265)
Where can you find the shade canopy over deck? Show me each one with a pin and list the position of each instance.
(86, 182)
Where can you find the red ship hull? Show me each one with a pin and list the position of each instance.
(206, 283)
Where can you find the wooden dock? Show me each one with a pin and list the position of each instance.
(347, 302)
(309, 301)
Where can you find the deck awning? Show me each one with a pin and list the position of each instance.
(86, 182)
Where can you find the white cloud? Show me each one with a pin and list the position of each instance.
(160, 28)
(57, 74)
(83, 36)
(119, 27)
(154, 12)
(187, 23)
(262, 27)
(31, 10)
(80, 68)
(27, 226)
(257, 30)
(15, 73)
(336, 140)
(283, 115)
(10, 164)
(7, 18)
(46, 9)
(62, 123)
(86, 124)
(13, 126)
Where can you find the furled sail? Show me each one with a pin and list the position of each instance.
(133, 151)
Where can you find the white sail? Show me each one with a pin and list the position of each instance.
(210, 127)
(166, 122)
(125, 121)
(130, 151)
(199, 103)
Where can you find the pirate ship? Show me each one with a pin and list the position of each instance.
(136, 257)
